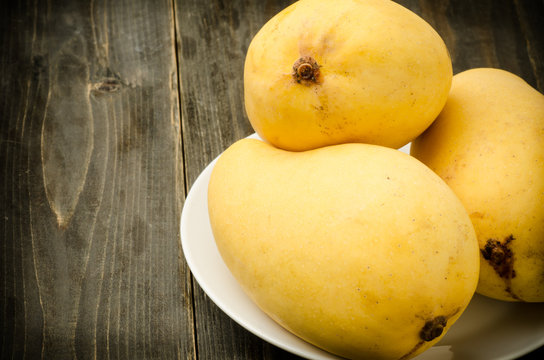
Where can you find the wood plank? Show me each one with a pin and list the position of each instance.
(92, 185)
(213, 37)
(489, 33)
(530, 15)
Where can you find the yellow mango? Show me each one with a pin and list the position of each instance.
(358, 249)
(488, 145)
(327, 72)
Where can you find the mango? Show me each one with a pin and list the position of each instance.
(488, 145)
(358, 249)
(325, 72)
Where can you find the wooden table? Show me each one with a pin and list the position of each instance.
(109, 111)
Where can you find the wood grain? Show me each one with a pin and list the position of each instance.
(92, 183)
(213, 37)
(488, 33)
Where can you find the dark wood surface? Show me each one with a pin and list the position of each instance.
(109, 111)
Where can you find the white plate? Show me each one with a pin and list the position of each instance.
(488, 329)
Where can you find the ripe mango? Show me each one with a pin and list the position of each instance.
(488, 145)
(327, 72)
(358, 249)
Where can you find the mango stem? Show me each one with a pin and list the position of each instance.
(306, 70)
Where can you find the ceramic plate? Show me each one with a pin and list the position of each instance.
(488, 329)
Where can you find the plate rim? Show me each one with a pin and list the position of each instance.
(191, 197)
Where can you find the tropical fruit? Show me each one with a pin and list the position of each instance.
(488, 145)
(326, 72)
(358, 249)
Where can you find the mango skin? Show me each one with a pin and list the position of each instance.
(352, 247)
(488, 145)
(384, 76)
